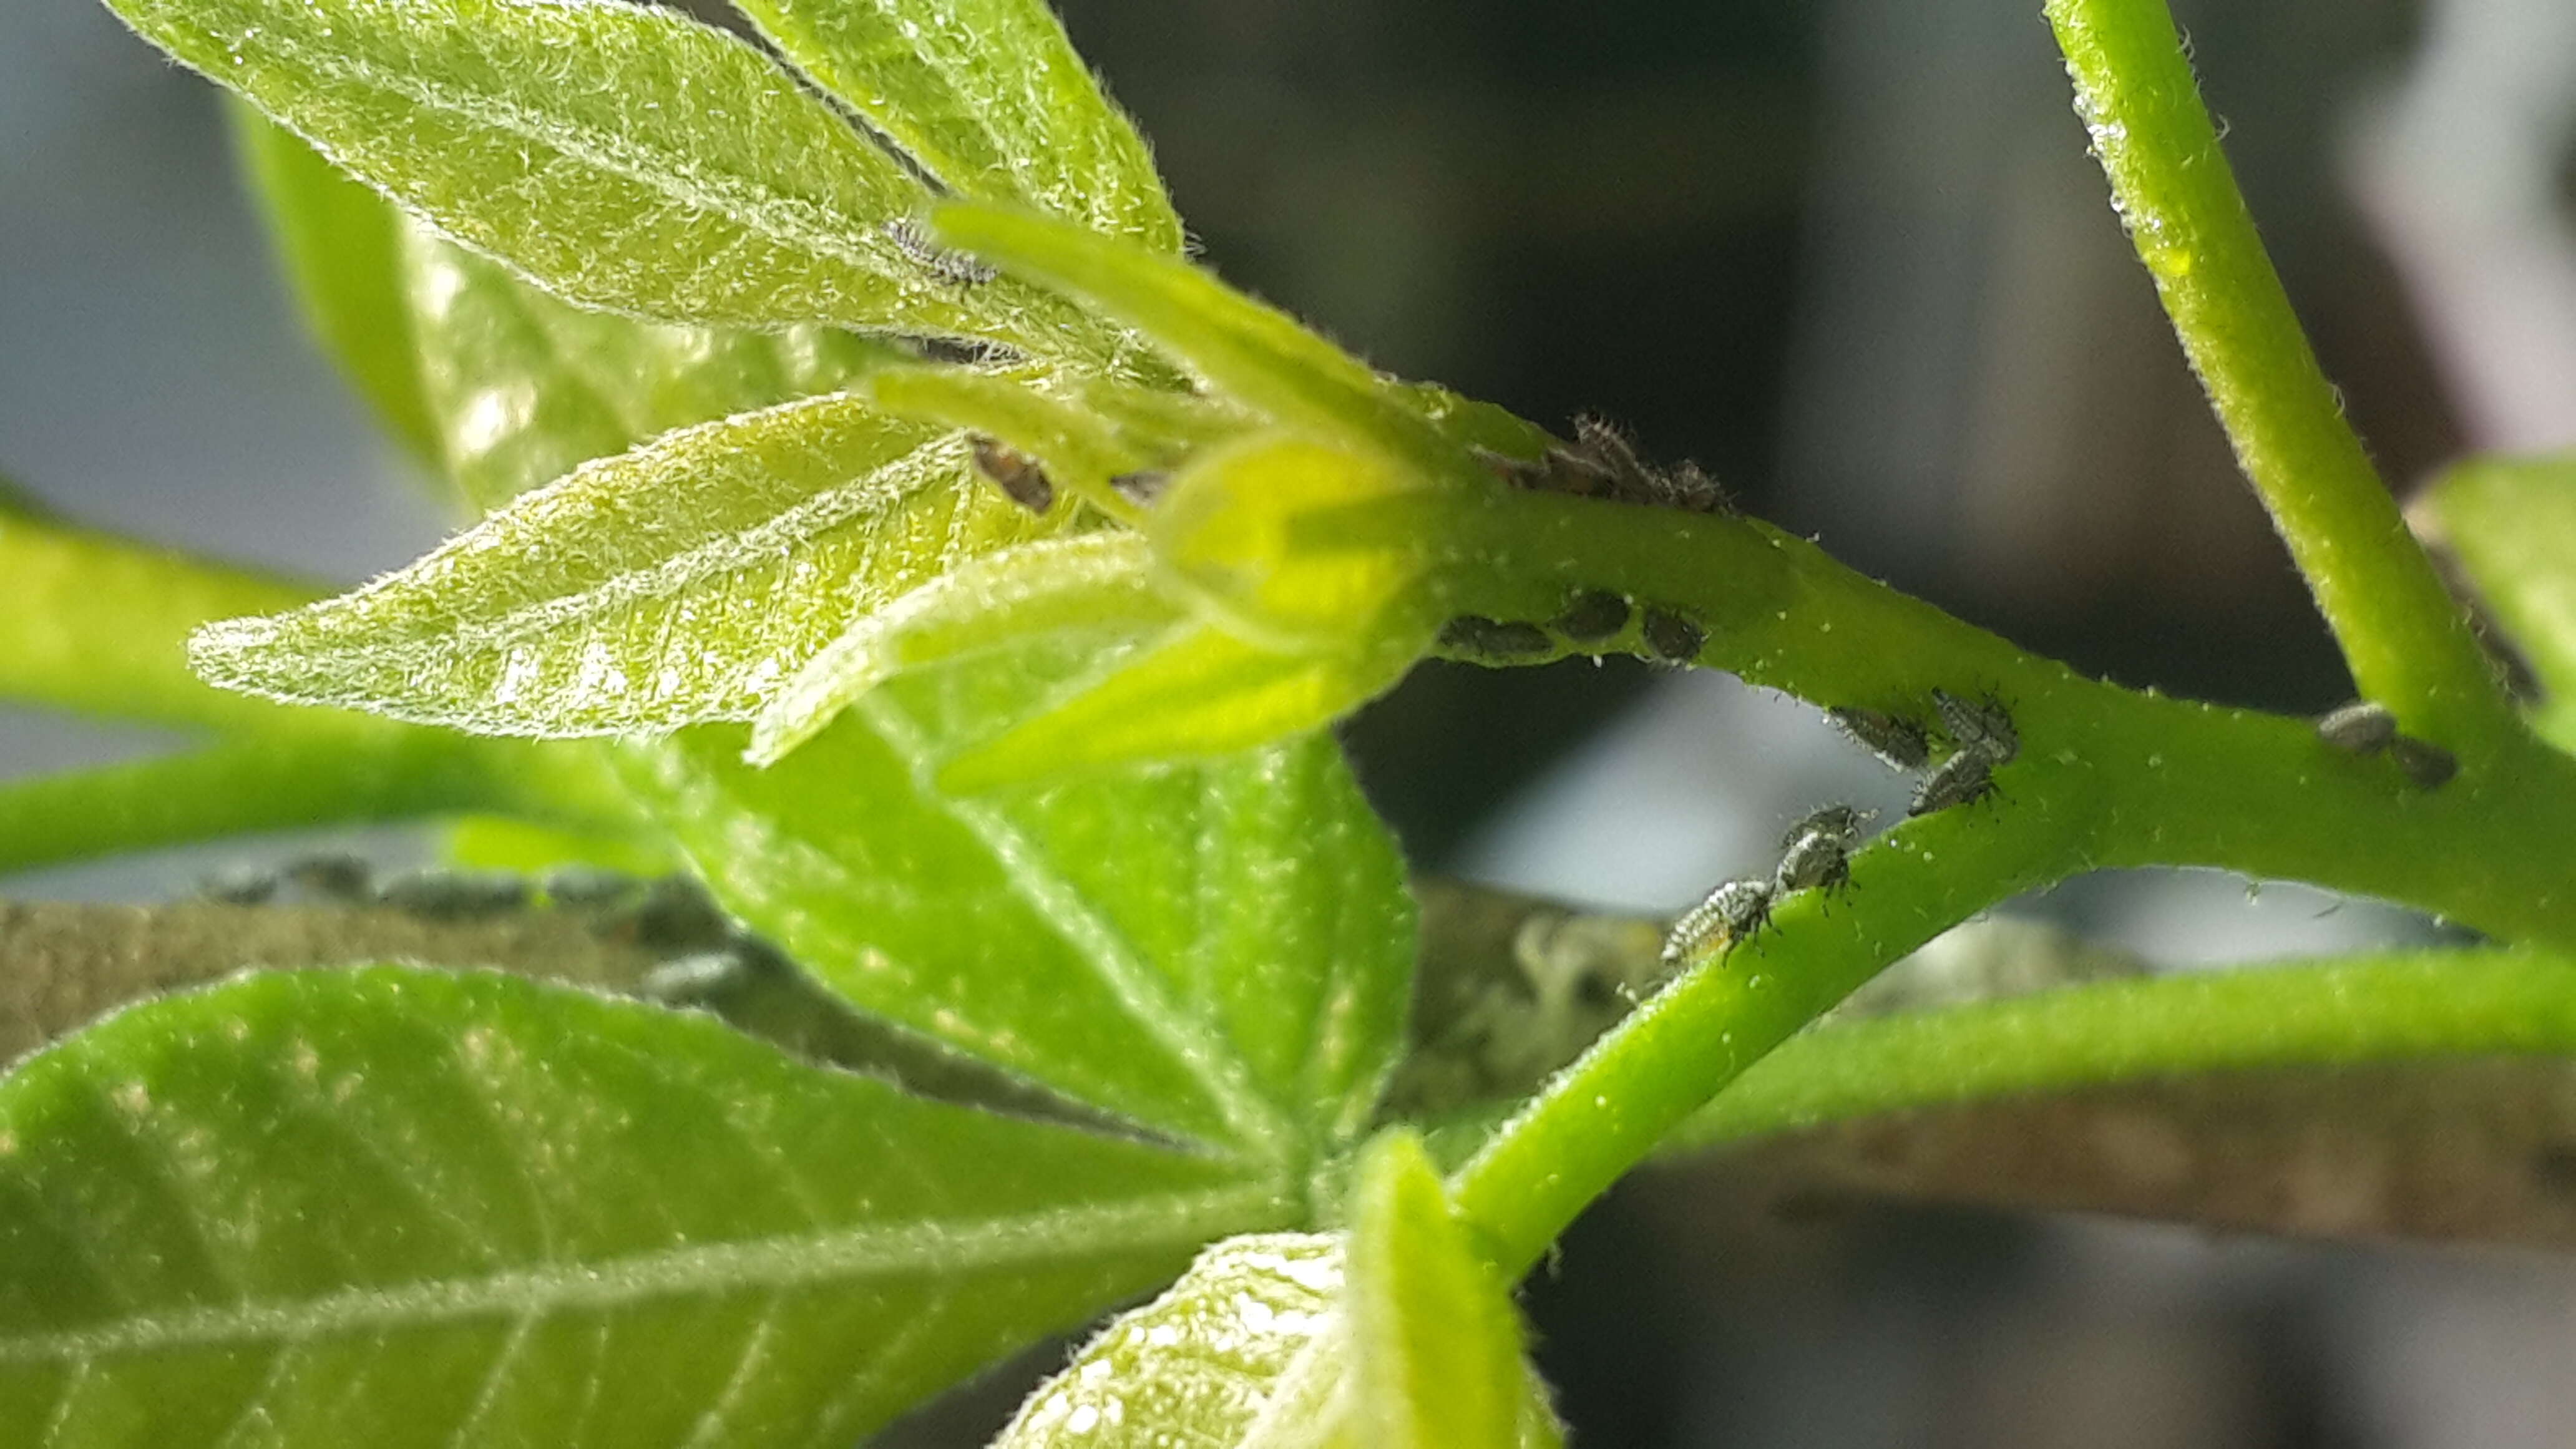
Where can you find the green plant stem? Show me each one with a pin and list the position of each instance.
(281, 782)
(2408, 644)
(2343, 1012)
(2106, 777)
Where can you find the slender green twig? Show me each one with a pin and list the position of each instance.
(2408, 644)
(2366, 1009)
(282, 782)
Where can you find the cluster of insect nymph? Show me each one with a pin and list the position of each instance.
(1816, 852)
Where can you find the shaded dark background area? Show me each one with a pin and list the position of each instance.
(1848, 253)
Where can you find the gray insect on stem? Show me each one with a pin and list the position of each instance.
(1733, 913)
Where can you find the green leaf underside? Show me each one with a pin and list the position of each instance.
(393, 1207)
(2514, 524)
(987, 95)
(1435, 1350)
(1220, 951)
(625, 157)
(526, 388)
(340, 247)
(681, 582)
(1199, 1364)
(95, 623)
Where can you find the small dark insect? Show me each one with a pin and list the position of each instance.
(1817, 850)
(1025, 482)
(1672, 638)
(1900, 743)
(2360, 728)
(2428, 765)
(1732, 915)
(1980, 726)
(1602, 463)
(440, 895)
(582, 886)
(1962, 778)
(344, 879)
(1141, 487)
(953, 267)
(677, 915)
(961, 351)
(1594, 616)
(1495, 638)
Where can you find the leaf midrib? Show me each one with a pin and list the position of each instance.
(949, 1247)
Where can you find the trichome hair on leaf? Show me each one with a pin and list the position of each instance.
(1899, 743)
(1731, 915)
(953, 267)
(1022, 480)
(1143, 486)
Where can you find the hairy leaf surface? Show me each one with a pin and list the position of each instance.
(526, 388)
(626, 157)
(1434, 1343)
(987, 95)
(397, 1208)
(680, 582)
(340, 246)
(1219, 950)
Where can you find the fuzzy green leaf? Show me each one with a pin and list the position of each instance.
(1434, 1343)
(1194, 693)
(526, 388)
(1391, 1335)
(1095, 584)
(681, 582)
(1199, 1364)
(987, 95)
(396, 1207)
(2514, 524)
(626, 157)
(340, 245)
(1259, 355)
(1220, 951)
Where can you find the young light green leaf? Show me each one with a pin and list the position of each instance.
(1267, 1343)
(1199, 1364)
(683, 581)
(1094, 582)
(2513, 521)
(1258, 354)
(340, 245)
(624, 156)
(1434, 1342)
(526, 388)
(1196, 692)
(988, 96)
(1219, 951)
(409, 1208)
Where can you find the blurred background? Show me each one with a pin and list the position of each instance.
(1851, 255)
